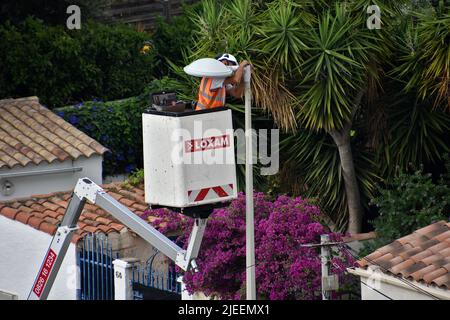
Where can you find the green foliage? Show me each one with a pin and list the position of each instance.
(338, 57)
(283, 34)
(311, 60)
(171, 40)
(136, 178)
(411, 202)
(312, 168)
(416, 135)
(64, 66)
(425, 60)
(117, 125)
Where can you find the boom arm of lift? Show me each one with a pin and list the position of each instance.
(88, 190)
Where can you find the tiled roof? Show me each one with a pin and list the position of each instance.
(45, 212)
(423, 256)
(30, 133)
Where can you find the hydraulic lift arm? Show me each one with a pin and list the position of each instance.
(88, 190)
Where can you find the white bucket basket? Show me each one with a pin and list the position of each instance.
(189, 158)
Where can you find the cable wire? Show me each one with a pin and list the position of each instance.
(376, 290)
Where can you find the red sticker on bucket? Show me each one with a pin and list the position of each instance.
(207, 143)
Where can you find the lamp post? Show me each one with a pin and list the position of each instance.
(208, 67)
(249, 212)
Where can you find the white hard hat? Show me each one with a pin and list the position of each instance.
(228, 57)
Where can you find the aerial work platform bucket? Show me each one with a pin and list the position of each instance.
(189, 158)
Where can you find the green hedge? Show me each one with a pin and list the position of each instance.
(117, 125)
(64, 66)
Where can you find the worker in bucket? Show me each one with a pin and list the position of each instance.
(212, 91)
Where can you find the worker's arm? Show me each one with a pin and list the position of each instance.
(236, 80)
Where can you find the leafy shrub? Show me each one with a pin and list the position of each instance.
(284, 269)
(172, 38)
(117, 125)
(135, 178)
(411, 202)
(64, 66)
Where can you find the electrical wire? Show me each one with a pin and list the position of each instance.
(385, 295)
(407, 282)
(370, 287)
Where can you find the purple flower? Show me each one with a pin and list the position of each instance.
(284, 270)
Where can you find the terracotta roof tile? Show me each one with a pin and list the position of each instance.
(23, 217)
(438, 247)
(44, 212)
(50, 205)
(446, 252)
(140, 207)
(106, 229)
(9, 212)
(52, 214)
(25, 209)
(104, 221)
(35, 222)
(403, 265)
(118, 227)
(91, 223)
(31, 133)
(418, 275)
(423, 256)
(429, 277)
(90, 229)
(53, 221)
(101, 212)
(116, 196)
(48, 228)
(443, 281)
(433, 259)
(90, 215)
(81, 224)
(127, 202)
(76, 238)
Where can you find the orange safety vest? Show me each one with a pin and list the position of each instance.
(208, 99)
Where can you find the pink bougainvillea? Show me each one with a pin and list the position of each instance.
(284, 268)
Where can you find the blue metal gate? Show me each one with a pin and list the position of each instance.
(96, 268)
(149, 284)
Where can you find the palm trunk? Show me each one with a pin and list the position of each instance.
(342, 139)
(355, 210)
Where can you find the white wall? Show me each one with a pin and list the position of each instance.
(44, 184)
(22, 249)
(390, 290)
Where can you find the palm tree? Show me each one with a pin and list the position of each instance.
(330, 83)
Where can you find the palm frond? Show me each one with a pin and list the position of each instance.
(312, 168)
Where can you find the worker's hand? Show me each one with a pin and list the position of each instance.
(244, 63)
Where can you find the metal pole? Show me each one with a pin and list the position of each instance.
(250, 226)
(325, 257)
